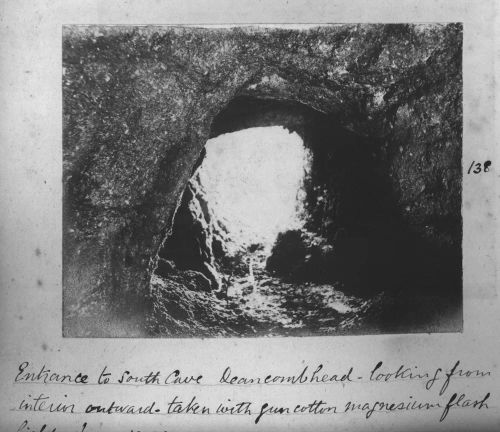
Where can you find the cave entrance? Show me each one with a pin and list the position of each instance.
(286, 226)
(248, 188)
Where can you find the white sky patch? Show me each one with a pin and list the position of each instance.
(253, 180)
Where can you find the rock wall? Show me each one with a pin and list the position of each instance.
(196, 239)
(140, 102)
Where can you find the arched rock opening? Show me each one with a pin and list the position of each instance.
(349, 203)
(380, 105)
(248, 188)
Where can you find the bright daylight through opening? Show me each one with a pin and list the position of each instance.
(253, 180)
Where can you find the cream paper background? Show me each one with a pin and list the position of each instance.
(30, 221)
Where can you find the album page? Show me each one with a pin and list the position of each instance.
(255, 216)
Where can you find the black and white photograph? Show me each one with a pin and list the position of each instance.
(262, 180)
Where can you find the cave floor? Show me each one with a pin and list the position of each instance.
(258, 304)
(279, 307)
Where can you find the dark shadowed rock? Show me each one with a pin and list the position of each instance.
(165, 267)
(288, 254)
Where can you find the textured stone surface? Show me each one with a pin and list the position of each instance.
(190, 246)
(139, 104)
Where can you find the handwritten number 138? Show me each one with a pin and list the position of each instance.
(479, 167)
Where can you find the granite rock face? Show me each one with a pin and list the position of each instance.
(139, 103)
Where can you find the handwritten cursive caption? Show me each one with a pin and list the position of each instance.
(435, 384)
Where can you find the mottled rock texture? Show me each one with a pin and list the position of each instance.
(195, 232)
(140, 103)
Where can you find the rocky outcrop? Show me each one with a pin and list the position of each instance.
(191, 243)
(299, 255)
(140, 102)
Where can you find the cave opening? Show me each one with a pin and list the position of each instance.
(247, 190)
(289, 226)
(272, 191)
